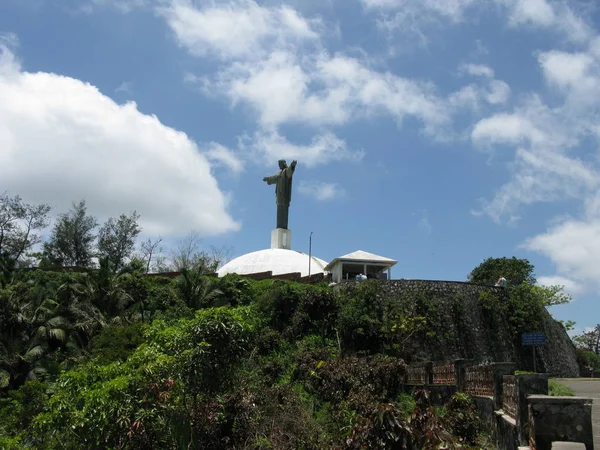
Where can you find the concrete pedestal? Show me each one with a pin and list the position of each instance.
(281, 238)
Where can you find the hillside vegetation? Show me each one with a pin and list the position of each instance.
(124, 360)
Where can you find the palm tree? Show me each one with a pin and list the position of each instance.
(197, 290)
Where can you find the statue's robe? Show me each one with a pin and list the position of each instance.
(283, 194)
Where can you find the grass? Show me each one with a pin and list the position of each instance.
(557, 389)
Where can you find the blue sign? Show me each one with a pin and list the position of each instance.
(533, 339)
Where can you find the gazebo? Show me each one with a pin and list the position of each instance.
(347, 267)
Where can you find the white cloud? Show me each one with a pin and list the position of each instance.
(63, 140)
(537, 12)
(326, 91)
(219, 155)
(541, 177)
(237, 28)
(576, 75)
(570, 286)
(125, 87)
(478, 70)
(320, 190)
(449, 9)
(557, 16)
(476, 96)
(424, 223)
(499, 92)
(323, 149)
(550, 163)
(503, 128)
(412, 16)
(573, 246)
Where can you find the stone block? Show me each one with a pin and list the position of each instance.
(528, 385)
(560, 419)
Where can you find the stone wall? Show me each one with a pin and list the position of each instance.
(466, 330)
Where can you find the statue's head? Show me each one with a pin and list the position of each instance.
(282, 164)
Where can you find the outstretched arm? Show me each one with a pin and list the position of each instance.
(290, 170)
(271, 180)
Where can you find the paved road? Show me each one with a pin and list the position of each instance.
(586, 388)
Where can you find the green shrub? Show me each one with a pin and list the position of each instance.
(18, 410)
(462, 418)
(116, 342)
(557, 389)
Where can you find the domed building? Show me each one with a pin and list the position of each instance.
(279, 261)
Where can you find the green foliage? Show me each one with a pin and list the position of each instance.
(588, 359)
(236, 289)
(20, 224)
(116, 343)
(20, 407)
(520, 311)
(385, 427)
(462, 418)
(352, 383)
(116, 239)
(589, 340)
(551, 295)
(132, 405)
(558, 389)
(150, 362)
(516, 271)
(569, 324)
(71, 240)
(296, 310)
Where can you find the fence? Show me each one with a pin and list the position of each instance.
(444, 373)
(416, 375)
(479, 381)
(509, 395)
(510, 404)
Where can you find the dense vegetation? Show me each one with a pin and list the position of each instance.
(125, 360)
(109, 357)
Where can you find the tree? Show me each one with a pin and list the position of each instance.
(515, 270)
(116, 239)
(589, 340)
(20, 223)
(188, 255)
(551, 295)
(71, 241)
(149, 249)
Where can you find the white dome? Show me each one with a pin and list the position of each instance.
(279, 261)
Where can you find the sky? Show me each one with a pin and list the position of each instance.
(434, 132)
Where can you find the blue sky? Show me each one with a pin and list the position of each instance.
(435, 132)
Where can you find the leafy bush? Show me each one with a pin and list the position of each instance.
(353, 383)
(18, 410)
(360, 320)
(557, 389)
(296, 310)
(516, 271)
(237, 290)
(116, 342)
(462, 418)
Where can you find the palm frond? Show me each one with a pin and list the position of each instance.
(33, 353)
(58, 334)
(37, 373)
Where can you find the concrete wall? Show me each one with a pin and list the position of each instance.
(465, 330)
